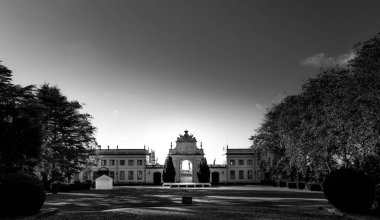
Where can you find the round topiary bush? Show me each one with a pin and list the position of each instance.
(349, 190)
(314, 187)
(20, 195)
(64, 188)
(292, 185)
(301, 185)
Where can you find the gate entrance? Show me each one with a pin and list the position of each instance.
(186, 158)
(186, 172)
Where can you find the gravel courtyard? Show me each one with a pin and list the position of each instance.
(224, 202)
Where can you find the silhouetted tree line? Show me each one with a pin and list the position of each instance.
(333, 122)
(42, 132)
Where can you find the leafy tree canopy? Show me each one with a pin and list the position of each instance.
(39, 126)
(69, 141)
(20, 130)
(333, 122)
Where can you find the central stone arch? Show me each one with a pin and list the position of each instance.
(186, 149)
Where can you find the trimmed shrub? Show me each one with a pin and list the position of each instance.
(77, 185)
(377, 196)
(21, 194)
(349, 190)
(86, 185)
(168, 174)
(301, 185)
(203, 172)
(292, 185)
(282, 184)
(55, 188)
(64, 188)
(314, 187)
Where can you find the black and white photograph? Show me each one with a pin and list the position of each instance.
(190, 109)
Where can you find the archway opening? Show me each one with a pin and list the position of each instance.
(186, 171)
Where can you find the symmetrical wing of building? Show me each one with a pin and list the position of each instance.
(139, 166)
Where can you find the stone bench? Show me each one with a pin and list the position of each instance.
(186, 185)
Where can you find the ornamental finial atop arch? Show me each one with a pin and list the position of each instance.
(186, 137)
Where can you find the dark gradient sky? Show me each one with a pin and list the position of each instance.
(147, 70)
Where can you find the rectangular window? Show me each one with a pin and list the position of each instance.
(112, 174)
(122, 162)
(104, 162)
(122, 175)
(241, 162)
(232, 162)
(241, 174)
(249, 174)
(139, 175)
(249, 162)
(139, 162)
(130, 175)
(130, 162)
(112, 162)
(232, 174)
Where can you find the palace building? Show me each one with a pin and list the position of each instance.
(138, 166)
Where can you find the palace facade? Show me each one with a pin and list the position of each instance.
(138, 166)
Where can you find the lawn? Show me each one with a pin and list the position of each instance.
(225, 202)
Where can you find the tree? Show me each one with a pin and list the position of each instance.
(20, 127)
(203, 172)
(69, 142)
(367, 55)
(168, 175)
(334, 122)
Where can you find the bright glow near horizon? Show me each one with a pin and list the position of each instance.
(148, 70)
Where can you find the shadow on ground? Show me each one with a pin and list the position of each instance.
(212, 203)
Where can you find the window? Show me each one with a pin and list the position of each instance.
(112, 174)
(249, 174)
(241, 174)
(249, 162)
(130, 175)
(139, 162)
(241, 162)
(139, 175)
(104, 162)
(232, 162)
(122, 162)
(130, 162)
(122, 175)
(232, 174)
(112, 162)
